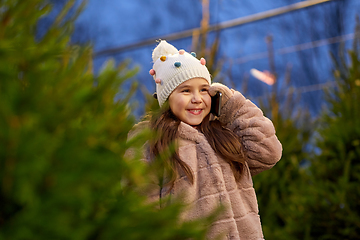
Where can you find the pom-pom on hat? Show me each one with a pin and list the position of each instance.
(173, 67)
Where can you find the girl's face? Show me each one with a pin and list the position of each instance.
(190, 101)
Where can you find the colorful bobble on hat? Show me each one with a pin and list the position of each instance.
(203, 61)
(152, 72)
(163, 58)
(181, 52)
(177, 64)
(158, 80)
(193, 54)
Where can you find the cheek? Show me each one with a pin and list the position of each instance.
(177, 102)
(207, 100)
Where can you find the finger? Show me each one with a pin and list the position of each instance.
(214, 88)
(212, 92)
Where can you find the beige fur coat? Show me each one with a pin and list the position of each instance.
(214, 182)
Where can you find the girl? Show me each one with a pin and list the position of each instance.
(215, 157)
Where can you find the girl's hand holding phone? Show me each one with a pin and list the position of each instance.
(224, 90)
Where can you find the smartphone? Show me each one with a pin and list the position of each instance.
(216, 104)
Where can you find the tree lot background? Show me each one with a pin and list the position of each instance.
(63, 138)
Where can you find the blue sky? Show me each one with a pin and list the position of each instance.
(109, 24)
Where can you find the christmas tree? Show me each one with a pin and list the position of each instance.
(63, 137)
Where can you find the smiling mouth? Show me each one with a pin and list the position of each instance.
(195, 111)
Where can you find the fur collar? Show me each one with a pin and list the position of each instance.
(188, 132)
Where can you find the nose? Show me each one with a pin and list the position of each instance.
(196, 98)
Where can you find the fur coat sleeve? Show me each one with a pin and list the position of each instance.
(262, 149)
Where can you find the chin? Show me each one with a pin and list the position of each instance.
(194, 123)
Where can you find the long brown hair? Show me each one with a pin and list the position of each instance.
(224, 142)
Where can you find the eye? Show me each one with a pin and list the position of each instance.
(185, 90)
(204, 90)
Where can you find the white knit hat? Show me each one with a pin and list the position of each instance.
(172, 67)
